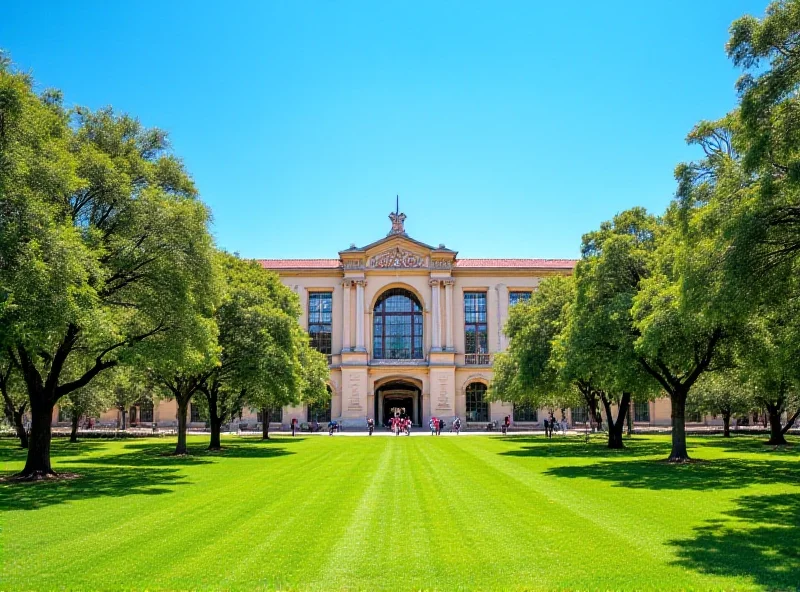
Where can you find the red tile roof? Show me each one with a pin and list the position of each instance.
(300, 263)
(461, 263)
(489, 263)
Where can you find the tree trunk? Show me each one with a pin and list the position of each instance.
(615, 428)
(37, 465)
(20, 427)
(216, 429)
(73, 436)
(726, 425)
(214, 420)
(183, 407)
(629, 417)
(679, 453)
(776, 437)
(264, 423)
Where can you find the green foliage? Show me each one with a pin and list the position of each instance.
(529, 372)
(105, 255)
(723, 393)
(600, 341)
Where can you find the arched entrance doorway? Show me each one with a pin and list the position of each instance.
(398, 398)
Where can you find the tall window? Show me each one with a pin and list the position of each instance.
(641, 411)
(518, 296)
(397, 326)
(580, 415)
(196, 414)
(146, 410)
(477, 406)
(475, 334)
(525, 412)
(320, 320)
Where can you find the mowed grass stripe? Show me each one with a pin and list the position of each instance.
(581, 520)
(301, 526)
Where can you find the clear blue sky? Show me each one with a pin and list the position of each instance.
(508, 128)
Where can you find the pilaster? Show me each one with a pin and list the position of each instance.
(448, 312)
(346, 284)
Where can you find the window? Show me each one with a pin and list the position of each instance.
(320, 320)
(477, 406)
(641, 412)
(321, 411)
(275, 416)
(475, 334)
(693, 416)
(580, 415)
(518, 296)
(146, 411)
(525, 412)
(195, 415)
(397, 326)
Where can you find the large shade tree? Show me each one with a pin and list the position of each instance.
(600, 339)
(531, 371)
(263, 352)
(104, 249)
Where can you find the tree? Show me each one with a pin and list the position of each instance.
(599, 340)
(304, 379)
(768, 356)
(631, 323)
(92, 399)
(722, 393)
(15, 400)
(531, 371)
(260, 345)
(104, 249)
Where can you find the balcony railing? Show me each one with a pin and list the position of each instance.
(477, 359)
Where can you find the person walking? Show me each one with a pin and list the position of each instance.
(457, 425)
(432, 425)
(371, 426)
(294, 426)
(506, 424)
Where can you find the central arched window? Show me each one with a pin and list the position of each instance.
(397, 326)
(477, 406)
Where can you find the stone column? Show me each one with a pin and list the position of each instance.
(436, 336)
(448, 312)
(360, 314)
(346, 315)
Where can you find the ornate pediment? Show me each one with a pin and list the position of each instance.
(397, 257)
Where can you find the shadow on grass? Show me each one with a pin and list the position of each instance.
(159, 454)
(748, 443)
(759, 539)
(723, 473)
(577, 447)
(94, 482)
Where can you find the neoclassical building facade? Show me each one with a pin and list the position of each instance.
(409, 327)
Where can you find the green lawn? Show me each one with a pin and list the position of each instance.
(404, 514)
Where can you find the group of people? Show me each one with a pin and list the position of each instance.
(437, 424)
(400, 424)
(551, 423)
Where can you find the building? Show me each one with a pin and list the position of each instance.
(408, 328)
